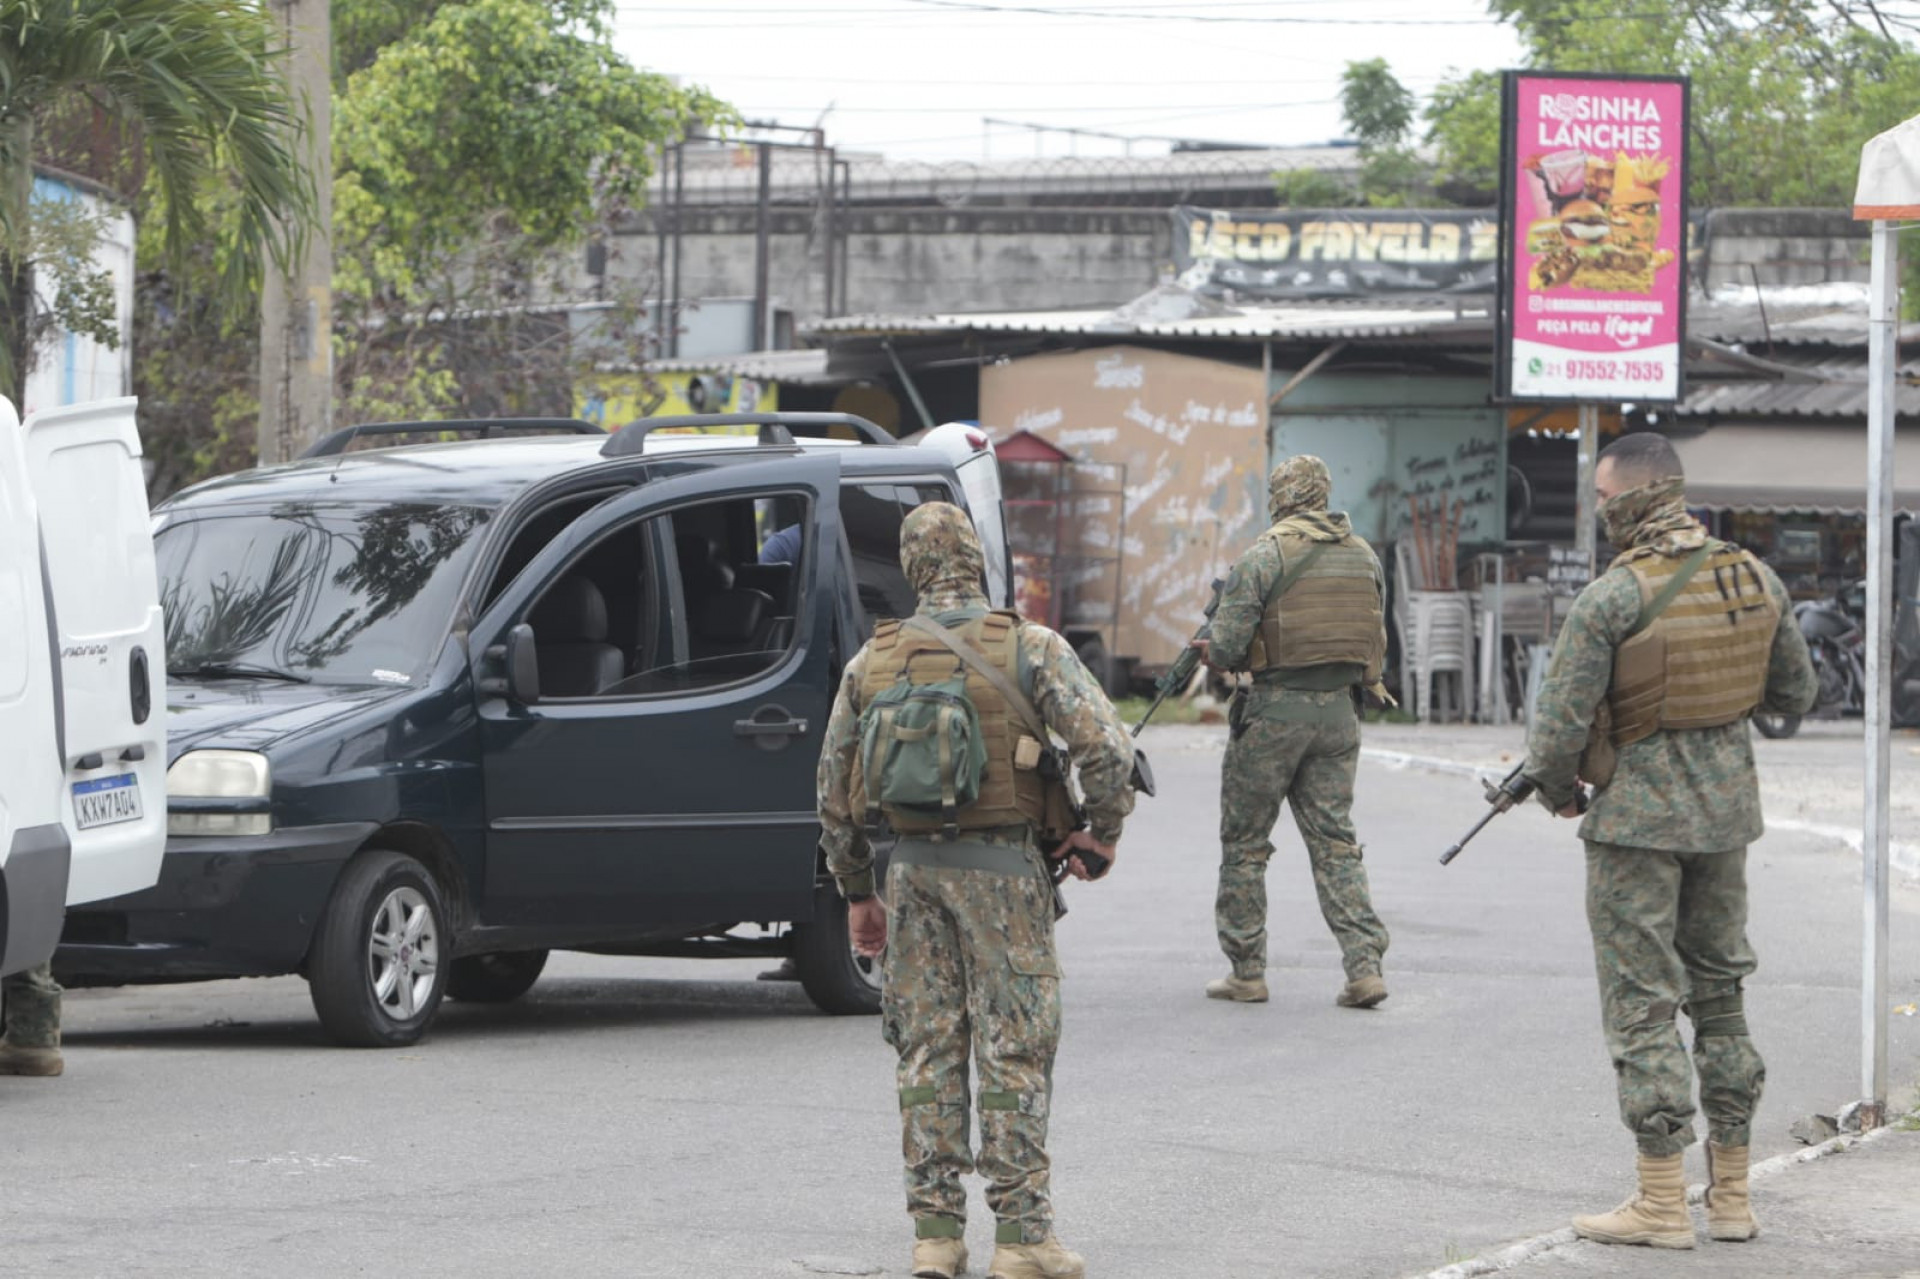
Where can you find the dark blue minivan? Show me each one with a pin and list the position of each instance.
(443, 707)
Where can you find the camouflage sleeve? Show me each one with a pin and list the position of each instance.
(1577, 678)
(842, 836)
(1792, 686)
(1380, 584)
(1070, 701)
(1242, 600)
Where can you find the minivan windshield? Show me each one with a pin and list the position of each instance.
(331, 594)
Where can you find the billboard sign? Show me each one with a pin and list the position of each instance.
(1286, 255)
(1593, 216)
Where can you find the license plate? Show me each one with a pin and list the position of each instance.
(106, 800)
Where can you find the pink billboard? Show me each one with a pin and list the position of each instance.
(1593, 219)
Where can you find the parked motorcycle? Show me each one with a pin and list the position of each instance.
(1836, 641)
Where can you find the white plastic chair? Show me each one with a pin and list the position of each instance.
(1442, 625)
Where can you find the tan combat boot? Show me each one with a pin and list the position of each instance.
(939, 1258)
(1362, 992)
(1729, 1214)
(1241, 990)
(1656, 1216)
(17, 1059)
(1048, 1259)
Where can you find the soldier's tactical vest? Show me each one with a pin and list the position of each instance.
(1012, 790)
(1701, 661)
(1327, 607)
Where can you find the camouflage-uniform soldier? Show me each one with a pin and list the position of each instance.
(1665, 667)
(1302, 610)
(32, 1043)
(969, 949)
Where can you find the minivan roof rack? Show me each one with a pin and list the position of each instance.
(487, 428)
(775, 428)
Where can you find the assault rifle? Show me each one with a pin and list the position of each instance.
(1182, 669)
(1513, 789)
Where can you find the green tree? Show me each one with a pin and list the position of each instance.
(1784, 91)
(195, 82)
(470, 156)
(1379, 111)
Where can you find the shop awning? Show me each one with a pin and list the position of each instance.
(1790, 468)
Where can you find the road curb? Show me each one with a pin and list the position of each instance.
(1527, 1249)
(1905, 857)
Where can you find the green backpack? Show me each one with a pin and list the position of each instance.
(921, 753)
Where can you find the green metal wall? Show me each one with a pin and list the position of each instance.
(1386, 437)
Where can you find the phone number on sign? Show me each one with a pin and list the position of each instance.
(1616, 370)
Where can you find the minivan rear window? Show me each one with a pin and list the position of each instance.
(340, 594)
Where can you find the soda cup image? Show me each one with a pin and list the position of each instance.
(1565, 173)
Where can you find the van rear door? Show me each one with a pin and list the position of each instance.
(33, 841)
(97, 536)
(970, 450)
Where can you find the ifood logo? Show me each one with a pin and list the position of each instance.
(1628, 333)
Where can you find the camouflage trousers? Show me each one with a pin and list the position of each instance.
(32, 1000)
(1670, 936)
(970, 970)
(1302, 748)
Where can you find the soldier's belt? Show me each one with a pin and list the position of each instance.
(965, 854)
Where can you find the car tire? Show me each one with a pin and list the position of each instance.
(1777, 726)
(377, 972)
(497, 978)
(835, 979)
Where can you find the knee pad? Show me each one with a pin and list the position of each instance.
(1721, 1018)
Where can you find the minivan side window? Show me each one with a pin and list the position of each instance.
(871, 515)
(698, 597)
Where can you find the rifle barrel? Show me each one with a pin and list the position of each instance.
(1466, 839)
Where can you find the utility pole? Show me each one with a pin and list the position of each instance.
(296, 306)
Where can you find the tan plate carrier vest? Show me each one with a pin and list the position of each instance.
(1011, 789)
(1702, 660)
(1326, 610)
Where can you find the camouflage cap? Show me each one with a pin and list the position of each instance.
(938, 545)
(1300, 483)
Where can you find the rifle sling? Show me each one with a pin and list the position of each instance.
(1292, 572)
(977, 661)
(1668, 593)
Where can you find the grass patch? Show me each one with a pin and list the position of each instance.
(1175, 710)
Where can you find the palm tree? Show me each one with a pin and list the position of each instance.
(196, 85)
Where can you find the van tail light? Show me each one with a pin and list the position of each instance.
(978, 441)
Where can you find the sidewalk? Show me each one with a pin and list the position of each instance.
(1853, 1213)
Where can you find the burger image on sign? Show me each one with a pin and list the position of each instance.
(1584, 223)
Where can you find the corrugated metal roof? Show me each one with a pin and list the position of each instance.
(1839, 392)
(1787, 315)
(800, 367)
(1303, 321)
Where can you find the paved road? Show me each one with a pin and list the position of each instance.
(653, 1118)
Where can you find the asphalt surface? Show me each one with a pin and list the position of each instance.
(676, 1118)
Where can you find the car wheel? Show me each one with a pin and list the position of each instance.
(1777, 726)
(496, 978)
(836, 979)
(376, 972)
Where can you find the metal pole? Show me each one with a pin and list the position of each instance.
(672, 317)
(1883, 321)
(846, 226)
(827, 239)
(1588, 509)
(659, 289)
(762, 268)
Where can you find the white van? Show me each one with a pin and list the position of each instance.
(82, 672)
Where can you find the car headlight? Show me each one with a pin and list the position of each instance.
(219, 793)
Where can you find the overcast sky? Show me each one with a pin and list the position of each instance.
(915, 78)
